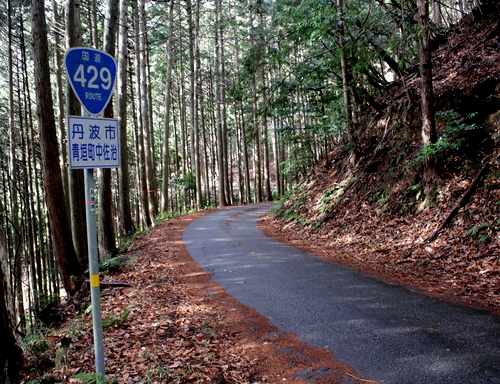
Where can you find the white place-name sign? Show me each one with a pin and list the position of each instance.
(93, 142)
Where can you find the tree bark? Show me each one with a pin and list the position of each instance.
(76, 182)
(256, 155)
(94, 40)
(222, 75)
(63, 246)
(127, 227)
(265, 131)
(346, 84)
(142, 163)
(58, 59)
(106, 230)
(144, 103)
(199, 112)
(426, 93)
(218, 110)
(11, 356)
(14, 183)
(168, 107)
(193, 113)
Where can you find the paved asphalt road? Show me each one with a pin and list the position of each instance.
(387, 333)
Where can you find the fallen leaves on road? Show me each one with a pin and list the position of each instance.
(167, 336)
(175, 325)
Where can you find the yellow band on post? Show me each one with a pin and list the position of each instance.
(94, 281)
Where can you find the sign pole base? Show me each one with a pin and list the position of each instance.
(95, 289)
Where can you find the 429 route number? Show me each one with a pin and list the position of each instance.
(104, 75)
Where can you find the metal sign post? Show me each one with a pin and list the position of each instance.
(95, 289)
(92, 143)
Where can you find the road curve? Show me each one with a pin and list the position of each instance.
(386, 332)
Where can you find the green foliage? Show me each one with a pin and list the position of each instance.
(186, 183)
(124, 244)
(139, 233)
(278, 207)
(330, 197)
(36, 342)
(288, 206)
(480, 232)
(166, 215)
(418, 190)
(456, 138)
(114, 264)
(207, 330)
(377, 196)
(160, 371)
(116, 321)
(296, 166)
(45, 378)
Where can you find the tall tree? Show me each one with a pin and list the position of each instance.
(168, 107)
(58, 66)
(126, 223)
(64, 250)
(76, 180)
(218, 101)
(144, 105)
(193, 107)
(13, 171)
(107, 241)
(140, 140)
(345, 82)
(426, 92)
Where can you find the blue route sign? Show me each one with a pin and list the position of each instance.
(92, 75)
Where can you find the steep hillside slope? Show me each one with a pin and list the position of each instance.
(372, 216)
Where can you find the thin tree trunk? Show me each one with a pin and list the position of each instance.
(142, 169)
(226, 154)
(34, 229)
(277, 157)
(127, 227)
(218, 111)
(195, 157)
(246, 196)
(168, 102)
(94, 40)
(200, 112)
(256, 155)
(13, 172)
(106, 230)
(144, 103)
(345, 83)
(76, 182)
(246, 166)
(140, 208)
(197, 98)
(427, 93)
(267, 172)
(58, 66)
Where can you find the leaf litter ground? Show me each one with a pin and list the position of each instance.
(175, 325)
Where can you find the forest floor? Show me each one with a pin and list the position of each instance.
(462, 265)
(175, 325)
